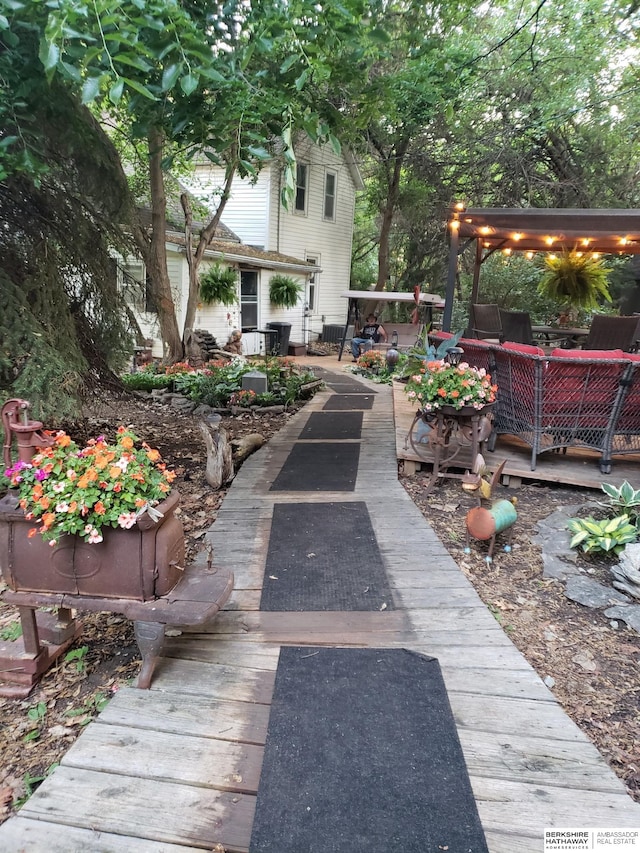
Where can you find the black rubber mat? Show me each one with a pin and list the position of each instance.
(362, 754)
(333, 425)
(349, 386)
(329, 467)
(343, 402)
(324, 557)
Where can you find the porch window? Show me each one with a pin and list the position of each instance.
(302, 174)
(249, 300)
(330, 184)
(313, 281)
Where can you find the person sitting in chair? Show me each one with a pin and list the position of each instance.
(370, 334)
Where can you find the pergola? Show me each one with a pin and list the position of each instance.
(535, 230)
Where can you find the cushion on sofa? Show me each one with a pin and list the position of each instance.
(588, 353)
(528, 349)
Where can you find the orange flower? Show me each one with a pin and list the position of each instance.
(164, 487)
(92, 475)
(37, 491)
(455, 393)
(114, 472)
(73, 506)
(48, 518)
(140, 502)
(153, 455)
(117, 488)
(138, 476)
(63, 440)
(121, 429)
(32, 532)
(442, 392)
(44, 502)
(99, 508)
(169, 476)
(83, 482)
(126, 442)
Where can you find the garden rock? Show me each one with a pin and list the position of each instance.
(627, 573)
(559, 565)
(182, 404)
(590, 593)
(630, 614)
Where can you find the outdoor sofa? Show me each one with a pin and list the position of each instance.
(567, 398)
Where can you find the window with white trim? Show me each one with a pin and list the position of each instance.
(330, 191)
(313, 281)
(137, 287)
(249, 300)
(302, 177)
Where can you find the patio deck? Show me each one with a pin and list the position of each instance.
(177, 767)
(576, 467)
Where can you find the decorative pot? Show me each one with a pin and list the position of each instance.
(464, 412)
(141, 563)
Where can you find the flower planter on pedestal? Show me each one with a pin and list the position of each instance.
(142, 563)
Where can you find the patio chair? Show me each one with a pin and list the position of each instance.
(516, 326)
(485, 322)
(608, 332)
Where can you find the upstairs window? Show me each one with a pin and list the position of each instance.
(330, 184)
(302, 174)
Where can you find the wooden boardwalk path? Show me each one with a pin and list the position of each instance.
(177, 767)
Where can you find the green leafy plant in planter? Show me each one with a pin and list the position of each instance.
(284, 291)
(219, 285)
(575, 280)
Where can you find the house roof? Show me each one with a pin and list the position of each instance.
(613, 231)
(239, 253)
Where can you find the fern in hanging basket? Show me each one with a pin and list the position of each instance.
(284, 291)
(219, 285)
(575, 279)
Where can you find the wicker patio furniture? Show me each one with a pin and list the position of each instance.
(609, 332)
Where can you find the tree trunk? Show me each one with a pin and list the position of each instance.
(194, 256)
(219, 470)
(156, 252)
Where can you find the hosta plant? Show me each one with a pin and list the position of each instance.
(623, 499)
(606, 535)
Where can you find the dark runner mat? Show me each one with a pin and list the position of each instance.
(319, 468)
(362, 754)
(333, 425)
(324, 557)
(348, 387)
(342, 402)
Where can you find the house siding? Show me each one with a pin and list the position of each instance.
(246, 212)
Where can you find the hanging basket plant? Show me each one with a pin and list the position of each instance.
(219, 285)
(284, 291)
(576, 280)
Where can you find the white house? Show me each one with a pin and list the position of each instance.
(311, 242)
(318, 229)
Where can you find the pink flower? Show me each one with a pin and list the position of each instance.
(94, 537)
(127, 519)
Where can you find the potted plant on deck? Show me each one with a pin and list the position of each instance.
(458, 389)
(94, 521)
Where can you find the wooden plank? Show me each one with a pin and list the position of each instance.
(458, 621)
(213, 680)
(516, 681)
(198, 646)
(22, 835)
(277, 624)
(154, 755)
(198, 716)
(537, 760)
(513, 716)
(158, 811)
(526, 809)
